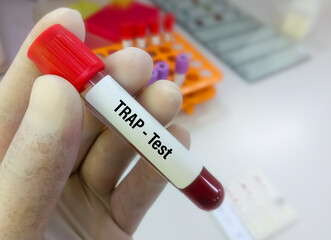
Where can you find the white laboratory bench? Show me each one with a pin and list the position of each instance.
(280, 125)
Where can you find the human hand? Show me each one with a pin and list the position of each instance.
(58, 161)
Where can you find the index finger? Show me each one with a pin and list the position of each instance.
(16, 85)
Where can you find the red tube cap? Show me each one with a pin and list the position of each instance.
(154, 26)
(58, 51)
(169, 22)
(205, 191)
(127, 31)
(141, 29)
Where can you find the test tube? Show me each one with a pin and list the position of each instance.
(58, 51)
(141, 30)
(154, 77)
(182, 62)
(169, 23)
(127, 33)
(155, 31)
(163, 69)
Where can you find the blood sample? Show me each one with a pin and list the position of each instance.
(58, 51)
(127, 32)
(182, 62)
(163, 69)
(169, 23)
(141, 30)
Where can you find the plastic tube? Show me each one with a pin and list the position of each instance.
(155, 31)
(154, 77)
(141, 29)
(182, 62)
(169, 23)
(127, 32)
(163, 70)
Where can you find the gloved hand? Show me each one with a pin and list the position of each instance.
(59, 162)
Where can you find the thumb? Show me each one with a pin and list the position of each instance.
(39, 159)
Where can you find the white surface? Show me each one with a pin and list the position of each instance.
(229, 221)
(280, 125)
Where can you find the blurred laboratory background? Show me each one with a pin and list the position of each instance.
(257, 102)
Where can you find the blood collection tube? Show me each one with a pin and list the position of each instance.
(155, 31)
(163, 69)
(127, 33)
(169, 23)
(182, 62)
(154, 77)
(58, 51)
(141, 30)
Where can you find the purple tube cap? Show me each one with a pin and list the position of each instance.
(163, 69)
(182, 62)
(154, 77)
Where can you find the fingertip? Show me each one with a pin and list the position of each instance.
(54, 104)
(181, 134)
(40, 158)
(60, 86)
(170, 95)
(163, 100)
(131, 67)
(68, 18)
(131, 55)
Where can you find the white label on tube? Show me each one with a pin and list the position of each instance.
(148, 136)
